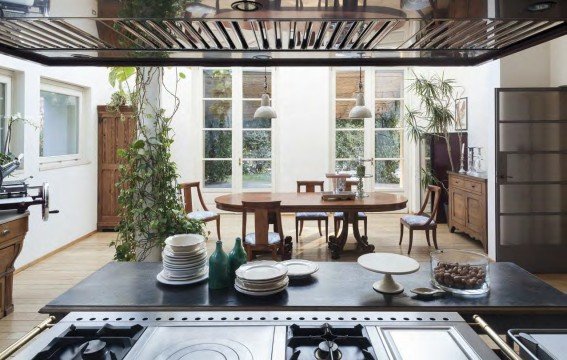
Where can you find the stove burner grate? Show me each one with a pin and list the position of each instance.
(329, 343)
(108, 342)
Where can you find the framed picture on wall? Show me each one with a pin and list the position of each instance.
(461, 116)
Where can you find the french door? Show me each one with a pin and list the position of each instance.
(237, 149)
(378, 139)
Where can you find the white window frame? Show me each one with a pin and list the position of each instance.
(403, 187)
(237, 129)
(6, 79)
(370, 129)
(71, 90)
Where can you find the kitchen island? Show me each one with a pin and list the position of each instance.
(517, 298)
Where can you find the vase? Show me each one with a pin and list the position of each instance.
(236, 257)
(219, 268)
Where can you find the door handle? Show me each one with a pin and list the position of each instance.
(239, 162)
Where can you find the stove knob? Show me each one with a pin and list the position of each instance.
(94, 350)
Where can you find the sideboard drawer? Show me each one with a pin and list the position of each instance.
(12, 229)
(457, 182)
(473, 186)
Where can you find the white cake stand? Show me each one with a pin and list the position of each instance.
(388, 264)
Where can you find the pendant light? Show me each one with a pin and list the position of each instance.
(360, 111)
(265, 111)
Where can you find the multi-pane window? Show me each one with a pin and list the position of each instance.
(217, 128)
(349, 134)
(388, 128)
(237, 147)
(60, 114)
(4, 113)
(379, 138)
(256, 134)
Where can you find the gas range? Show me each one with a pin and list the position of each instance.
(245, 335)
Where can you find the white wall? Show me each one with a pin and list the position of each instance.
(73, 188)
(558, 62)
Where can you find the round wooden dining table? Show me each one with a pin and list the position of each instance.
(304, 202)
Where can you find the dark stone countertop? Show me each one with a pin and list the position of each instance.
(336, 286)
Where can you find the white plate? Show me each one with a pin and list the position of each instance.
(261, 293)
(177, 254)
(297, 268)
(185, 274)
(261, 271)
(387, 263)
(166, 281)
(261, 287)
(185, 258)
(185, 262)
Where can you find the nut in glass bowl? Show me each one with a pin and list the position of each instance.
(460, 271)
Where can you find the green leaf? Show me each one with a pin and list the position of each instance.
(182, 75)
(138, 144)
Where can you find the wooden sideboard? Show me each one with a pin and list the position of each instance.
(467, 206)
(13, 229)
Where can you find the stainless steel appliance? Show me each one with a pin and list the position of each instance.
(247, 335)
(19, 195)
(307, 32)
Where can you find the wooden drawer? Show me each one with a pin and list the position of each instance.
(13, 228)
(457, 182)
(473, 187)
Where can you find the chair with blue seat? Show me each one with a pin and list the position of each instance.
(319, 216)
(204, 214)
(420, 221)
(262, 240)
(339, 217)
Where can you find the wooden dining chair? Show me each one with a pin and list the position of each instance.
(300, 217)
(340, 216)
(420, 221)
(204, 214)
(262, 240)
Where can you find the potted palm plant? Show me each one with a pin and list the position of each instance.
(433, 116)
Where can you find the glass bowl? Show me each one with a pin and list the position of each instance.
(460, 272)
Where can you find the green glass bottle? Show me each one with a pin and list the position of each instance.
(219, 268)
(236, 257)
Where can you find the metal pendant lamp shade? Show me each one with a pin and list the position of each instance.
(359, 111)
(265, 111)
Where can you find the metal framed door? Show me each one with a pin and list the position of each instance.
(531, 184)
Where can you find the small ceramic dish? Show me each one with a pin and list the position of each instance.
(427, 292)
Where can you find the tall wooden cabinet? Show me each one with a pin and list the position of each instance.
(467, 206)
(13, 229)
(116, 130)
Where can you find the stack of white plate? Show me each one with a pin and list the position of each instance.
(261, 278)
(184, 260)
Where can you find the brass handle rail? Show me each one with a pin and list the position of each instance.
(10, 350)
(507, 350)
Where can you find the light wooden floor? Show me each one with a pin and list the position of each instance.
(39, 284)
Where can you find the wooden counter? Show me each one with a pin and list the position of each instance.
(13, 229)
(515, 294)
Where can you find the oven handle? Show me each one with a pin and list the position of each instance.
(27, 338)
(507, 350)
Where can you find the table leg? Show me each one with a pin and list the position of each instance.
(362, 241)
(337, 244)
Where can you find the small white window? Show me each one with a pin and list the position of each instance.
(60, 122)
